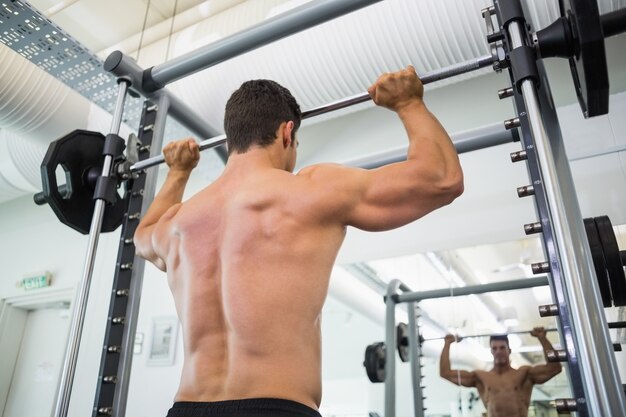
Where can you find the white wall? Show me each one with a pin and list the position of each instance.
(32, 239)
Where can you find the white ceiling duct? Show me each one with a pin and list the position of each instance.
(35, 108)
(339, 58)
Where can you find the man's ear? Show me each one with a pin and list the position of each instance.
(288, 134)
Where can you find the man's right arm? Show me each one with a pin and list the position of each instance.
(397, 194)
(464, 378)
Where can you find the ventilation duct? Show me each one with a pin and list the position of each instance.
(328, 62)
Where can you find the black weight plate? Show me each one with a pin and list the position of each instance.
(597, 254)
(588, 66)
(617, 279)
(402, 340)
(77, 152)
(375, 362)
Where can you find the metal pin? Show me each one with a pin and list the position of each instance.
(125, 266)
(154, 107)
(148, 128)
(512, 123)
(525, 191)
(518, 156)
(541, 267)
(558, 355)
(122, 293)
(564, 405)
(505, 93)
(134, 216)
(548, 310)
(114, 349)
(532, 228)
(128, 241)
(111, 379)
(491, 10)
(105, 411)
(138, 193)
(144, 148)
(118, 320)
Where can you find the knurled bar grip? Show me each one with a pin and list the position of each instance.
(447, 72)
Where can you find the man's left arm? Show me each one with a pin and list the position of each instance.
(543, 373)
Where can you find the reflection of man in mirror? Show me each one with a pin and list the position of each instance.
(505, 391)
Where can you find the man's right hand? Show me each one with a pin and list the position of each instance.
(396, 90)
(182, 155)
(451, 338)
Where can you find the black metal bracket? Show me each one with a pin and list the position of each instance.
(121, 320)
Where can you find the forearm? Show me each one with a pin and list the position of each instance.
(444, 362)
(170, 194)
(547, 346)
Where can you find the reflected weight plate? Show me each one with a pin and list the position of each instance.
(597, 254)
(375, 362)
(614, 266)
(402, 339)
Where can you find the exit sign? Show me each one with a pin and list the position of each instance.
(37, 281)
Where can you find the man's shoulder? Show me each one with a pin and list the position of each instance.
(315, 170)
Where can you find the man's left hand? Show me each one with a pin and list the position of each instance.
(538, 332)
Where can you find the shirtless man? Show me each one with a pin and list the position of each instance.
(249, 257)
(505, 391)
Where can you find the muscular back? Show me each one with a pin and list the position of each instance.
(248, 262)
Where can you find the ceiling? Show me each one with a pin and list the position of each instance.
(339, 59)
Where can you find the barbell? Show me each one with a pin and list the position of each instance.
(476, 336)
(79, 153)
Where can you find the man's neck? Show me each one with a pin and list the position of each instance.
(499, 369)
(255, 158)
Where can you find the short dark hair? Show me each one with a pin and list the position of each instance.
(255, 111)
(502, 337)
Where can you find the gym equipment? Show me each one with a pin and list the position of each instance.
(451, 71)
(614, 266)
(595, 385)
(577, 35)
(402, 338)
(551, 184)
(79, 153)
(375, 361)
(597, 255)
(473, 336)
(125, 170)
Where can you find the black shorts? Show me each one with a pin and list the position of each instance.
(255, 407)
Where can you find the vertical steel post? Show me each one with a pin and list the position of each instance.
(80, 305)
(117, 353)
(587, 339)
(415, 362)
(136, 283)
(391, 299)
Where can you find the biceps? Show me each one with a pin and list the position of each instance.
(396, 195)
(464, 378)
(543, 373)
